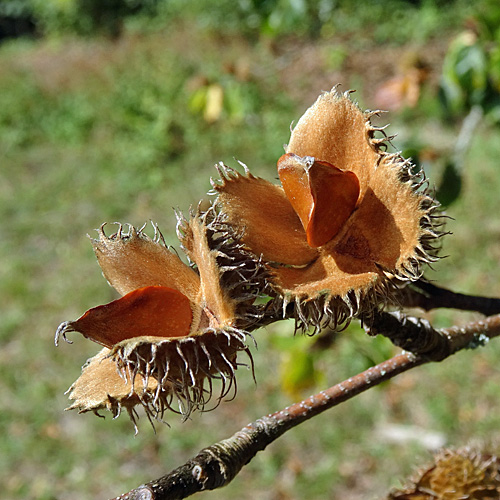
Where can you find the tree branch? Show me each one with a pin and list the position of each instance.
(420, 294)
(218, 464)
(412, 334)
(427, 296)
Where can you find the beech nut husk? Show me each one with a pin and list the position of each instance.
(177, 329)
(349, 225)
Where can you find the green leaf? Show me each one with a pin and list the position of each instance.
(198, 100)
(451, 185)
(298, 372)
(464, 80)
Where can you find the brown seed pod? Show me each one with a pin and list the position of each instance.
(175, 330)
(455, 475)
(350, 224)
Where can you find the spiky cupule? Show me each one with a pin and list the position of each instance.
(455, 475)
(324, 308)
(170, 372)
(144, 398)
(185, 369)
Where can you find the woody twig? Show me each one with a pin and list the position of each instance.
(218, 464)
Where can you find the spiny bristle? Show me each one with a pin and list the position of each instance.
(183, 368)
(334, 312)
(126, 232)
(455, 475)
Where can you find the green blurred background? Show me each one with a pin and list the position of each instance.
(118, 110)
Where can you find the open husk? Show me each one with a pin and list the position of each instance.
(455, 475)
(175, 331)
(380, 241)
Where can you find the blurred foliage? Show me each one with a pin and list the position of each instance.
(469, 93)
(15, 18)
(451, 183)
(471, 69)
(95, 129)
(318, 18)
(230, 95)
(88, 16)
(15, 8)
(76, 16)
(274, 17)
(299, 370)
(270, 18)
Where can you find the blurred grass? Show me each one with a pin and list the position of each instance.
(98, 130)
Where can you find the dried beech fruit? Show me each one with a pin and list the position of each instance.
(175, 329)
(349, 224)
(455, 475)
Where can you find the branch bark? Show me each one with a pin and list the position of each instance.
(426, 296)
(421, 294)
(218, 464)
